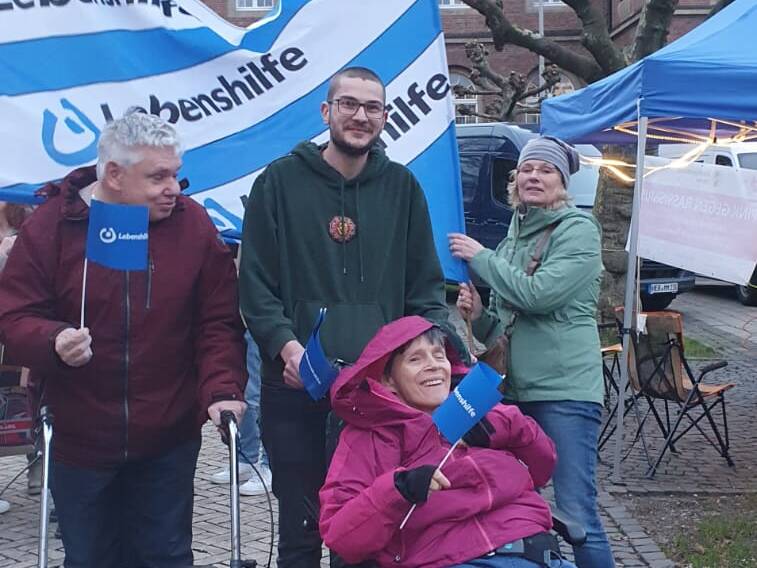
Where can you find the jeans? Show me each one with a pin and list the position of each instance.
(294, 435)
(574, 428)
(499, 561)
(249, 430)
(135, 515)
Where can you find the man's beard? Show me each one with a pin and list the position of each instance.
(351, 150)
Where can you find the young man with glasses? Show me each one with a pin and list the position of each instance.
(337, 225)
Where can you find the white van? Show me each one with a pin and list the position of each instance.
(741, 155)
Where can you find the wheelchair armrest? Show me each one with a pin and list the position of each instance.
(569, 529)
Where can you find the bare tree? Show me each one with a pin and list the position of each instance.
(602, 58)
(504, 95)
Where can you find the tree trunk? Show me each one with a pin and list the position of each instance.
(612, 208)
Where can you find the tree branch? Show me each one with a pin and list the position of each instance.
(595, 36)
(463, 92)
(652, 29)
(484, 75)
(551, 78)
(465, 111)
(504, 32)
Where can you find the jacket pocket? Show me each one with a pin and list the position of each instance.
(346, 329)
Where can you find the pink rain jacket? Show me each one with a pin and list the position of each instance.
(491, 500)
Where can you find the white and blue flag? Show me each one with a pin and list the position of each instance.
(117, 235)
(468, 403)
(240, 98)
(316, 371)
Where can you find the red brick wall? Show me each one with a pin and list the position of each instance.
(227, 10)
(689, 14)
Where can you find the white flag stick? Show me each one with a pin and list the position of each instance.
(83, 293)
(439, 467)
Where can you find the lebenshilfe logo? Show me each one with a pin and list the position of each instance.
(108, 235)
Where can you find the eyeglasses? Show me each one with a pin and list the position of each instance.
(350, 106)
(541, 170)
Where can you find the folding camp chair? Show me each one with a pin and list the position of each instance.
(611, 361)
(658, 370)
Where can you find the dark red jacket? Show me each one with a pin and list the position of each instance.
(167, 342)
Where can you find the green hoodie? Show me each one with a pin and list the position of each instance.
(554, 348)
(292, 265)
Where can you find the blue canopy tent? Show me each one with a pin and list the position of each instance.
(700, 88)
(708, 74)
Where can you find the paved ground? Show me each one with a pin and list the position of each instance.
(714, 317)
(711, 315)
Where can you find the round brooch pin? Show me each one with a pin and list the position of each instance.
(342, 229)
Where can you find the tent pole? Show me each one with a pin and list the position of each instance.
(633, 241)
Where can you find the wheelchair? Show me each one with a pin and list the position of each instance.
(567, 528)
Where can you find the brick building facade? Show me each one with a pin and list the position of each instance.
(463, 24)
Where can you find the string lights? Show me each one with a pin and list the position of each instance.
(660, 130)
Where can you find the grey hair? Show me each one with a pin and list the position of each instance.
(434, 335)
(563, 198)
(121, 139)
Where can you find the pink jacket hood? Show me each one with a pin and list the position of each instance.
(357, 395)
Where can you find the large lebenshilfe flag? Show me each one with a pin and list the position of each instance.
(239, 97)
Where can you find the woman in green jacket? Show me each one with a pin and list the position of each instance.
(555, 366)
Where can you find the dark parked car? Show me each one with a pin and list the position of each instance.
(488, 152)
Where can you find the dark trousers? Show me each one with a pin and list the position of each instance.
(294, 436)
(138, 515)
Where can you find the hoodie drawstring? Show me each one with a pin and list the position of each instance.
(341, 226)
(342, 229)
(357, 222)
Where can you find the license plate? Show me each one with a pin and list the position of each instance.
(663, 288)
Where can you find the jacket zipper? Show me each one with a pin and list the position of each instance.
(126, 371)
(150, 270)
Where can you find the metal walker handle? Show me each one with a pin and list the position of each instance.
(46, 425)
(229, 421)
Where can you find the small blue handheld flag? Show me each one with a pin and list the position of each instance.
(475, 396)
(316, 372)
(117, 235)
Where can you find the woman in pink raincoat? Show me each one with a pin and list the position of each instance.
(480, 510)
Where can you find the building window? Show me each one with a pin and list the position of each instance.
(468, 102)
(254, 4)
(452, 4)
(530, 112)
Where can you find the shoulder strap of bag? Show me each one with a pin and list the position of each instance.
(535, 261)
(533, 264)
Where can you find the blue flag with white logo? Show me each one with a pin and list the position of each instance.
(316, 371)
(476, 395)
(117, 235)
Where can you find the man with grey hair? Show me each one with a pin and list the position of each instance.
(161, 351)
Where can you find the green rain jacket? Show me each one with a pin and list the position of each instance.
(554, 347)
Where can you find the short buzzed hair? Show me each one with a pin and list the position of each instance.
(354, 73)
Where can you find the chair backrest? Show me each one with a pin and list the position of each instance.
(656, 357)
